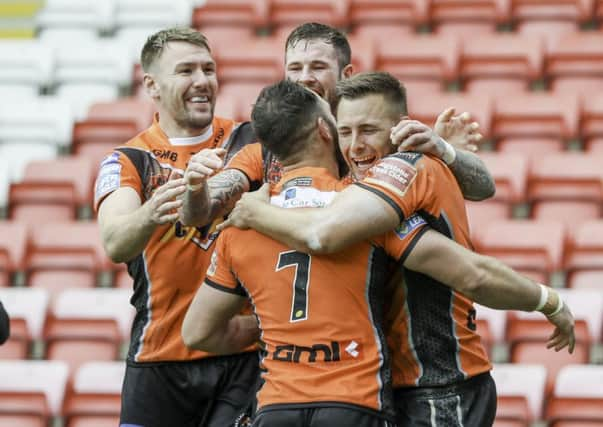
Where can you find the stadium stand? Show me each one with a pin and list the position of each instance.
(530, 73)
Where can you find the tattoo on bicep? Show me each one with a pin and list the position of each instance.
(472, 176)
(226, 188)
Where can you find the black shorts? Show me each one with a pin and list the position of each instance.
(470, 403)
(318, 417)
(210, 392)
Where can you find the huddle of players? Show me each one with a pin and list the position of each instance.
(326, 357)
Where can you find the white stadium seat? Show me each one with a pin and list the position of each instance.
(97, 15)
(25, 62)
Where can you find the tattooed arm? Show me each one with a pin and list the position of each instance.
(472, 176)
(214, 198)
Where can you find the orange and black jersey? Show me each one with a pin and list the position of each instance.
(433, 337)
(168, 272)
(320, 316)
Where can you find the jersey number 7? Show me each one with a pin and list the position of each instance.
(301, 282)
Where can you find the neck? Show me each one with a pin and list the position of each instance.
(326, 161)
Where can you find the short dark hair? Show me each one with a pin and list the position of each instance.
(315, 31)
(155, 44)
(283, 117)
(373, 83)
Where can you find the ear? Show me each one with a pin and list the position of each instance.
(151, 86)
(347, 71)
(324, 131)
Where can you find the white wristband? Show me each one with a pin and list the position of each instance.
(558, 309)
(449, 154)
(544, 296)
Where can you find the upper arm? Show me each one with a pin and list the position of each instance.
(354, 215)
(443, 259)
(122, 201)
(209, 309)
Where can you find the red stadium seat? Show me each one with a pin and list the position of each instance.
(584, 250)
(429, 59)
(599, 9)
(592, 116)
(426, 109)
(287, 14)
(23, 409)
(595, 145)
(388, 13)
(501, 63)
(577, 55)
(535, 248)
(574, 11)
(481, 214)
(536, 115)
(510, 173)
(94, 398)
(243, 94)
(530, 148)
(258, 61)
(512, 411)
(17, 346)
(572, 178)
(578, 397)
(52, 190)
(586, 280)
(515, 382)
(466, 17)
(364, 54)
(13, 244)
(34, 377)
(231, 13)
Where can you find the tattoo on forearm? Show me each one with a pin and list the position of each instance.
(473, 177)
(224, 190)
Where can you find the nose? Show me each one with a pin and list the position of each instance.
(358, 144)
(306, 76)
(199, 78)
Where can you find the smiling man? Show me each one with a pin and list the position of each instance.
(138, 191)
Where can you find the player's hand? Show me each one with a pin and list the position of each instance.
(203, 165)
(244, 209)
(412, 135)
(563, 336)
(162, 207)
(459, 131)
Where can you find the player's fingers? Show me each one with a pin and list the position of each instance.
(404, 123)
(169, 206)
(555, 334)
(168, 218)
(407, 131)
(445, 115)
(161, 197)
(465, 116)
(417, 141)
(220, 152)
(572, 342)
(475, 137)
(202, 169)
(474, 126)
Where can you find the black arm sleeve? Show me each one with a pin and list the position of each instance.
(4, 325)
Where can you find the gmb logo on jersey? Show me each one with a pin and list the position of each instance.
(332, 352)
(409, 224)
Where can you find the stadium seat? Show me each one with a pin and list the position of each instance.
(52, 190)
(31, 377)
(109, 124)
(426, 109)
(578, 398)
(103, 61)
(123, 280)
(501, 63)
(387, 14)
(467, 17)
(17, 345)
(231, 14)
(44, 120)
(534, 248)
(576, 56)
(244, 94)
(523, 381)
(23, 409)
(548, 30)
(573, 178)
(88, 324)
(586, 280)
(594, 145)
(512, 411)
(536, 115)
(61, 14)
(429, 59)
(591, 124)
(252, 61)
(284, 15)
(496, 319)
(80, 96)
(153, 13)
(510, 173)
(530, 148)
(584, 250)
(480, 214)
(25, 62)
(559, 14)
(599, 10)
(364, 53)
(13, 245)
(95, 396)
(17, 154)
